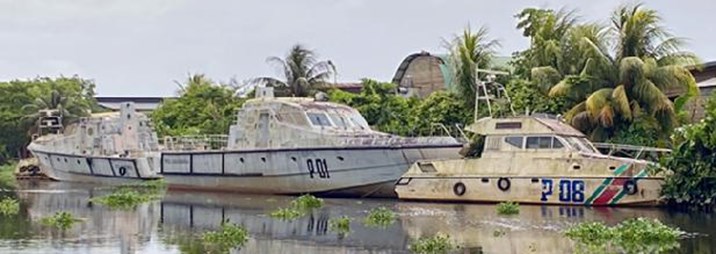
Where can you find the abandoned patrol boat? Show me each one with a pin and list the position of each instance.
(532, 159)
(104, 148)
(287, 145)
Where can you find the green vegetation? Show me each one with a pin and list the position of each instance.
(61, 220)
(440, 243)
(130, 195)
(470, 51)
(508, 208)
(302, 73)
(230, 236)
(609, 90)
(299, 207)
(290, 213)
(307, 201)
(380, 217)
(692, 164)
(9, 206)
(7, 175)
(638, 235)
(340, 225)
(203, 107)
(20, 101)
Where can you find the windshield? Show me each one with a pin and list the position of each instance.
(580, 144)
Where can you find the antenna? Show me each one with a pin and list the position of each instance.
(487, 97)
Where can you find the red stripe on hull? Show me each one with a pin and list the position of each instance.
(612, 190)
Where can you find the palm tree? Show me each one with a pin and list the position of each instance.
(614, 89)
(302, 73)
(468, 52)
(54, 100)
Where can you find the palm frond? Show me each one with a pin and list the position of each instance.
(621, 102)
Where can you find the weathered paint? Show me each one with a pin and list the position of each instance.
(565, 170)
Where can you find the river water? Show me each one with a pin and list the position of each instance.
(173, 224)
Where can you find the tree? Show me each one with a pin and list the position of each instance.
(203, 107)
(302, 73)
(20, 101)
(468, 52)
(611, 90)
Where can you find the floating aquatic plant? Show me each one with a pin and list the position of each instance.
(508, 208)
(440, 243)
(9, 206)
(125, 198)
(638, 235)
(61, 220)
(340, 225)
(230, 236)
(287, 213)
(380, 216)
(307, 202)
(299, 207)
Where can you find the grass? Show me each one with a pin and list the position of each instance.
(61, 220)
(440, 243)
(9, 206)
(508, 208)
(638, 235)
(299, 207)
(381, 217)
(230, 236)
(340, 225)
(129, 196)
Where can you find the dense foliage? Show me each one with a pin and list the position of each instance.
(638, 235)
(20, 101)
(203, 107)
(692, 163)
(609, 89)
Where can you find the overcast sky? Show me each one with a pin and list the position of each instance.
(139, 48)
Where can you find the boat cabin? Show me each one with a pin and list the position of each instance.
(530, 135)
(270, 122)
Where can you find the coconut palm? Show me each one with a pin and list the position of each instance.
(613, 89)
(302, 73)
(468, 52)
(54, 100)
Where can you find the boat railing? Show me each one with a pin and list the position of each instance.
(195, 142)
(632, 151)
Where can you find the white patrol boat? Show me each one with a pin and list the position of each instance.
(533, 159)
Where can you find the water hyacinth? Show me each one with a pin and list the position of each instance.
(307, 202)
(287, 213)
(440, 243)
(299, 207)
(508, 208)
(9, 206)
(125, 199)
(60, 220)
(638, 235)
(381, 217)
(340, 225)
(230, 236)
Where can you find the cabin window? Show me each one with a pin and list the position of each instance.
(514, 141)
(319, 119)
(338, 120)
(556, 144)
(542, 143)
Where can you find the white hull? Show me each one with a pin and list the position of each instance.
(358, 171)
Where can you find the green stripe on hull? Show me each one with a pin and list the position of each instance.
(623, 193)
(598, 192)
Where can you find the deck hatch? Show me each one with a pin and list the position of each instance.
(508, 125)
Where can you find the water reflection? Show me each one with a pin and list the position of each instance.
(174, 224)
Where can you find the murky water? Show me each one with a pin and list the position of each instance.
(173, 224)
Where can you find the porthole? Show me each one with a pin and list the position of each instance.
(65, 160)
(293, 158)
(263, 159)
(241, 160)
(78, 161)
(340, 158)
